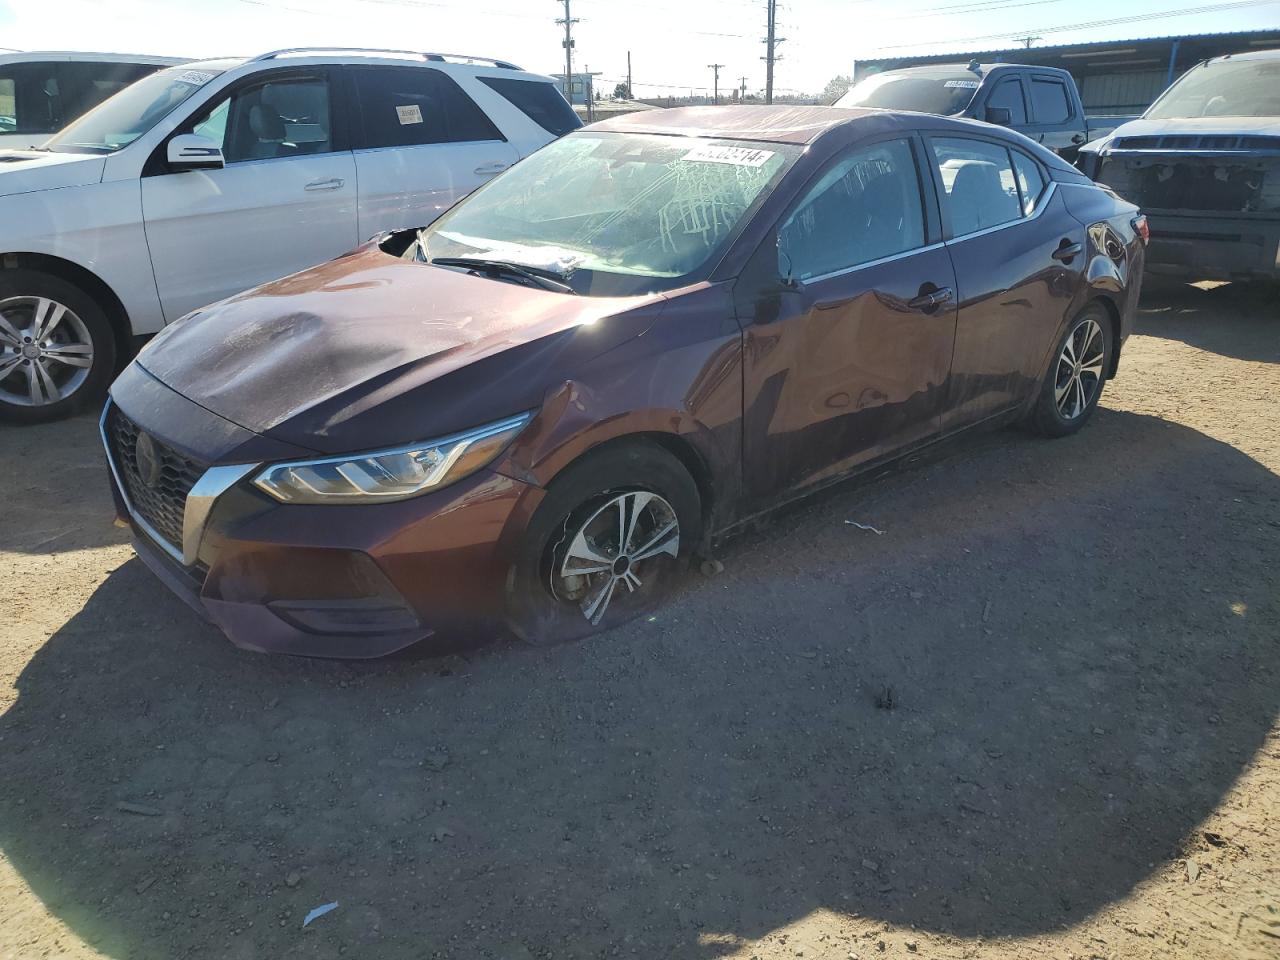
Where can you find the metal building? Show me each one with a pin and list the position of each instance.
(1117, 77)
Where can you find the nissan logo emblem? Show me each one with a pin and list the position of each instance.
(147, 460)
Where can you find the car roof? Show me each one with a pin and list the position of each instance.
(361, 55)
(80, 56)
(773, 124)
(1249, 55)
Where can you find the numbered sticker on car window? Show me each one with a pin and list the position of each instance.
(409, 114)
(738, 156)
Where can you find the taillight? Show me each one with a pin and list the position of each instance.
(1140, 227)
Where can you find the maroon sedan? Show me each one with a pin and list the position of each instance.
(527, 417)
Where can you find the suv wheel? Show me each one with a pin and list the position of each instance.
(57, 348)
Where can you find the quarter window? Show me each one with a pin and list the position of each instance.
(1031, 181)
(409, 106)
(979, 189)
(864, 208)
(541, 102)
(282, 118)
(1049, 101)
(1008, 94)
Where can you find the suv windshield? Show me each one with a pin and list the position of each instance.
(924, 93)
(133, 111)
(1223, 88)
(614, 214)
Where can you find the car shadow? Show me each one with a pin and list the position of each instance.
(53, 475)
(992, 719)
(1232, 319)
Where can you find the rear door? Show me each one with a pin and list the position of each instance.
(285, 200)
(424, 145)
(1019, 259)
(1054, 119)
(849, 362)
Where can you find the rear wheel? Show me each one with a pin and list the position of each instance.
(57, 348)
(1076, 375)
(607, 544)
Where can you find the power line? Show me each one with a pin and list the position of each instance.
(1071, 27)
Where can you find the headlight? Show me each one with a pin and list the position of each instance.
(385, 475)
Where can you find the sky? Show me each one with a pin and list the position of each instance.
(672, 42)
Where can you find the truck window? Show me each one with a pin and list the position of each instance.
(1008, 94)
(947, 95)
(1049, 101)
(1223, 88)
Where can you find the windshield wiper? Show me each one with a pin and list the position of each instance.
(532, 274)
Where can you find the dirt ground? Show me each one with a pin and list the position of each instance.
(1082, 759)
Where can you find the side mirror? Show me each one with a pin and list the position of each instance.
(190, 151)
(999, 116)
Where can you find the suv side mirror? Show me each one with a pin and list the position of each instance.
(190, 151)
(999, 116)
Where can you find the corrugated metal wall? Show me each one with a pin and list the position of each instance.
(1122, 93)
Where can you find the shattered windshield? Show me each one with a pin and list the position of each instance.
(614, 214)
(1223, 88)
(923, 93)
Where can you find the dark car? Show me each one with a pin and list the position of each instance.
(1041, 102)
(1204, 163)
(528, 416)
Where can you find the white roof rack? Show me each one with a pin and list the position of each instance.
(436, 57)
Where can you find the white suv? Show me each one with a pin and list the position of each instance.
(202, 180)
(41, 92)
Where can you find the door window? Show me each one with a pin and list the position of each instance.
(1049, 101)
(866, 207)
(408, 106)
(1031, 181)
(979, 188)
(1008, 94)
(289, 117)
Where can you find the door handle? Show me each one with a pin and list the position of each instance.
(1067, 251)
(331, 183)
(488, 169)
(931, 300)
(1078, 138)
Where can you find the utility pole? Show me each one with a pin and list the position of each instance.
(1028, 41)
(568, 22)
(742, 97)
(715, 96)
(771, 42)
(630, 93)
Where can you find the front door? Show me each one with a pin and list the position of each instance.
(1019, 263)
(848, 362)
(424, 146)
(285, 200)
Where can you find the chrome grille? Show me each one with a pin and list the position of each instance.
(161, 503)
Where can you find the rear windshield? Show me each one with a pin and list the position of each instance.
(923, 93)
(1225, 88)
(132, 112)
(541, 102)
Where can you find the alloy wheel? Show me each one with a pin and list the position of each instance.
(1079, 369)
(45, 351)
(616, 546)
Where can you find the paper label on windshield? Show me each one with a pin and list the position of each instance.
(965, 84)
(197, 78)
(738, 156)
(410, 114)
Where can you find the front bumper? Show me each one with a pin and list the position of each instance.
(1213, 248)
(353, 581)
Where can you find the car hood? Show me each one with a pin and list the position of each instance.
(1197, 126)
(369, 350)
(25, 171)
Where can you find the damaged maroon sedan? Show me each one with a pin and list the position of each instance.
(528, 416)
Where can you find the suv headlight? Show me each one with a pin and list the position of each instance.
(394, 474)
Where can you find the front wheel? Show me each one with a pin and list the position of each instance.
(606, 545)
(57, 348)
(1076, 375)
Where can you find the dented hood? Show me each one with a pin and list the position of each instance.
(370, 350)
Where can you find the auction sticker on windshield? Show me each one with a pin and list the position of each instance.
(966, 84)
(738, 156)
(197, 78)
